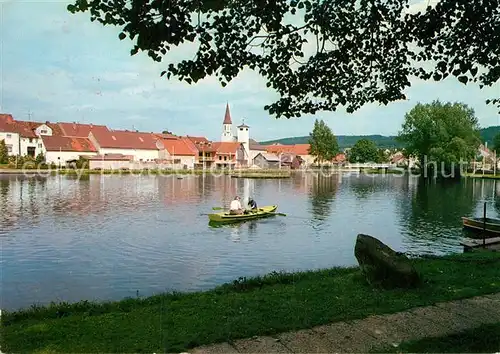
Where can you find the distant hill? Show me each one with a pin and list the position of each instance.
(384, 142)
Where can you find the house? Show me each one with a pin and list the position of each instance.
(301, 150)
(266, 160)
(339, 159)
(178, 151)
(23, 138)
(229, 155)
(206, 151)
(144, 147)
(62, 150)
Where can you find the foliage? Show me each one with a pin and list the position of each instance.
(383, 156)
(383, 142)
(81, 163)
(324, 146)
(40, 158)
(318, 55)
(496, 143)
(25, 161)
(4, 153)
(445, 134)
(256, 306)
(364, 151)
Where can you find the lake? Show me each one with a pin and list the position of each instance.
(108, 237)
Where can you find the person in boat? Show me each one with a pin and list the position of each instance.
(252, 204)
(235, 208)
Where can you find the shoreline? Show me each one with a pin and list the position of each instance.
(274, 303)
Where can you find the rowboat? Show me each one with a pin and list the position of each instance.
(477, 224)
(225, 217)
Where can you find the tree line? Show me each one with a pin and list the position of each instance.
(435, 134)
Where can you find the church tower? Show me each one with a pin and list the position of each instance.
(227, 127)
(243, 136)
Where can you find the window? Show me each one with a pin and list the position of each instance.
(30, 140)
(220, 157)
(40, 146)
(177, 160)
(43, 131)
(9, 136)
(225, 158)
(9, 148)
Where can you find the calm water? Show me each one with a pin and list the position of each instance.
(106, 237)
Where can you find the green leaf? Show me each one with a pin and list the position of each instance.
(463, 79)
(122, 36)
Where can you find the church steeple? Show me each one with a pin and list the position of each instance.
(227, 126)
(227, 116)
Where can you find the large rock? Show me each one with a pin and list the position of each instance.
(383, 266)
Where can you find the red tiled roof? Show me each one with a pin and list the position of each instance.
(301, 149)
(227, 116)
(191, 145)
(178, 147)
(25, 129)
(123, 139)
(339, 158)
(198, 139)
(226, 147)
(167, 136)
(80, 130)
(64, 143)
(298, 149)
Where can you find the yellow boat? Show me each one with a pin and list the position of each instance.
(225, 217)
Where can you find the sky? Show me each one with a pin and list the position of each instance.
(58, 66)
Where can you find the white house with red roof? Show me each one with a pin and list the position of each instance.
(177, 151)
(25, 137)
(63, 149)
(143, 147)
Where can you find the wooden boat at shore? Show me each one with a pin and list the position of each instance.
(491, 226)
(226, 217)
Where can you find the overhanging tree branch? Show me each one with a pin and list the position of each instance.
(376, 44)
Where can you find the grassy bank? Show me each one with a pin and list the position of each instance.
(253, 174)
(83, 172)
(259, 306)
(480, 175)
(484, 339)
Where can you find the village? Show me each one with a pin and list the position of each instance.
(62, 143)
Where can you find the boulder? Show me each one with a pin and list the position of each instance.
(382, 266)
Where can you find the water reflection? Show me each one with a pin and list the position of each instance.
(322, 193)
(107, 236)
(432, 214)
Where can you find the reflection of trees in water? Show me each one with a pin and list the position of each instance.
(363, 186)
(322, 193)
(436, 208)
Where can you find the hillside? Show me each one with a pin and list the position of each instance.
(345, 141)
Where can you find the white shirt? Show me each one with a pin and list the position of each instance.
(235, 205)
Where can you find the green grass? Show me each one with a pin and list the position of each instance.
(259, 306)
(485, 176)
(163, 172)
(251, 174)
(484, 339)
